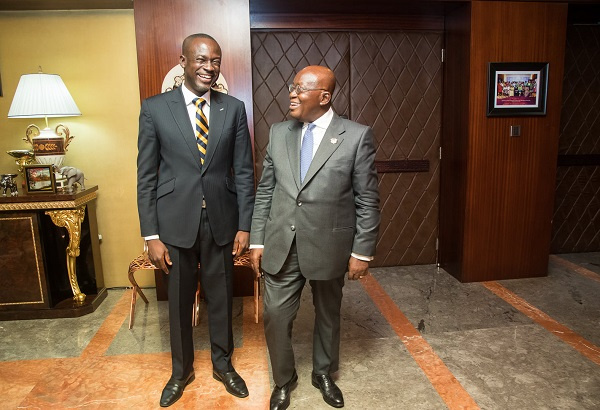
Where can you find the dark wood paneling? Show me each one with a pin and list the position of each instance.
(161, 26)
(455, 133)
(404, 7)
(64, 4)
(395, 87)
(579, 160)
(345, 22)
(22, 273)
(510, 181)
(390, 81)
(408, 165)
(34, 276)
(576, 220)
(276, 58)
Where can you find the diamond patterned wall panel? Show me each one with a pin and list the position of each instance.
(276, 58)
(390, 81)
(576, 221)
(396, 85)
(580, 115)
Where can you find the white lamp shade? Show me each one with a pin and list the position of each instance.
(42, 95)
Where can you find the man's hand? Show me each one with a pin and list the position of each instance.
(357, 269)
(255, 258)
(240, 243)
(159, 255)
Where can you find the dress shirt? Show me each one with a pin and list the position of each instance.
(318, 131)
(321, 125)
(189, 98)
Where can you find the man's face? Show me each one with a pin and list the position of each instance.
(201, 64)
(305, 106)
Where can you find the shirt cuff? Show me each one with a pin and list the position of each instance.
(362, 257)
(150, 237)
(357, 256)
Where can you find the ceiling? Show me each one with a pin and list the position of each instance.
(64, 4)
(580, 11)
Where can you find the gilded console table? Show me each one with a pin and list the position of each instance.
(43, 271)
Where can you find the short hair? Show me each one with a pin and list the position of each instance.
(193, 37)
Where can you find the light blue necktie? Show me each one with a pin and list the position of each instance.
(306, 152)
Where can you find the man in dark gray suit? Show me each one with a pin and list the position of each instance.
(316, 217)
(195, 196)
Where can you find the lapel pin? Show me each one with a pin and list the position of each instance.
(333, 140)
(221, 109)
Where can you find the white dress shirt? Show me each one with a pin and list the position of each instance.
(189, 97)
(318, 131)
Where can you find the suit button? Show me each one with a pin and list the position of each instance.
(293, 228)
(299, 203)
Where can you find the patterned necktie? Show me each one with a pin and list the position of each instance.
(201, 128)
(306, 152)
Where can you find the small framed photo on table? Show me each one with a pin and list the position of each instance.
(39, 178)
(517, 89)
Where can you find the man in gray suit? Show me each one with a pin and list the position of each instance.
(195, 195)
(316, 216)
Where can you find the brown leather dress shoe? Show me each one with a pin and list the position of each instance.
(174, 390)
(280, 398)
(233, 383)
(329, 390)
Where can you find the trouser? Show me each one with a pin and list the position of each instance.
(281, 303)
(216, 272)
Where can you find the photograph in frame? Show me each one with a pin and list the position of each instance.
(39, 178)
(517, 89)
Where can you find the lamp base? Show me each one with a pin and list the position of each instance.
(49, 146)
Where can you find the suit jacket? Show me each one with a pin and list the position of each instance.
(333, 213)
(172, 181)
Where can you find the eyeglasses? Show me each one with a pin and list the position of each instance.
(299, 90)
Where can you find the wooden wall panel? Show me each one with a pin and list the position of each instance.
(510, 180)
(455, 132)
(340, 21)
(576, 221)
(390, 81)
(161, 26)
(395, 87)
(22, 268)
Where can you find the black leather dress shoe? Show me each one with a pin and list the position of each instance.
(174, 390)
(280, 398)
(331, 393)
(233, 383)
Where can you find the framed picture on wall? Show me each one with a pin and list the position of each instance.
(517, 89)
(39, 179)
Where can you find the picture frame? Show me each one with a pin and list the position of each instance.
(517, 89)
(40, 179)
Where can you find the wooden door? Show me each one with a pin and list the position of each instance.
(391, 81)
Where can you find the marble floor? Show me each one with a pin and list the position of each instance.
(412, 338)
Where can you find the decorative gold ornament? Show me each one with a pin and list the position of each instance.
(20, 206)
(22, 157)
(71, 220)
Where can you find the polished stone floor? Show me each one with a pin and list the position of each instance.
(412, 338)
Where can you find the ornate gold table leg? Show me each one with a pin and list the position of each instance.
(71, 219)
